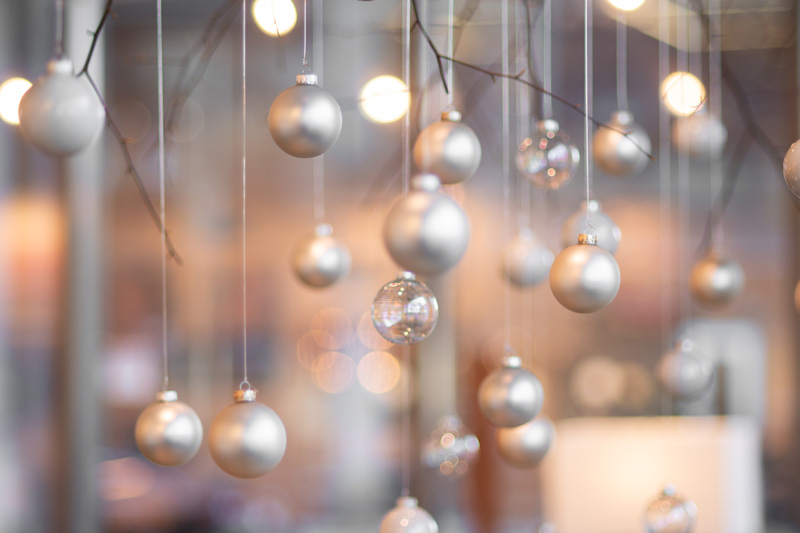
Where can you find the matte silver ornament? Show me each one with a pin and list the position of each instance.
(526, 259)
(608, 233)
(405, 311)
(716, 281)
(685, 372)
(247, 439)
(426, 231)
(168, 432)
(618, 154)
(510, 395)
(791, 168)
(319, 260)
(60, 114)
(584, 277)
(547, 158)
(670, 513)
(525, 446)
(305, 120)
(700, 135)
(408, 517)
(448, 149)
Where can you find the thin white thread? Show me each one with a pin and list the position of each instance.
(244, 191)
(406, 170)
(523, 104)
(450, 32)
(587, 86)
(59, 46)
(622, 61)
(406, 428)
(319, 161)
(305, 35)
(683, 182)
(162, 195)
(547, 60)
(715, 106)
(665, 185)
(504, 36)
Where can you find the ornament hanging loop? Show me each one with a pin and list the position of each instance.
(245, 386)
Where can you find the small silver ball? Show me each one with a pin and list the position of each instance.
(169, 432)
(618, 154)
(319, 260)
(584, 278)
(716, 281)
(699, 135)
(670, 513)
(510, 395)
(408, 517)
(525, 446)
(526, 259)
(448, 149)
(547, 158)
(608, 233)
(791, 168)
(685, 372)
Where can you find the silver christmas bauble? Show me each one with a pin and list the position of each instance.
(60, 114)
(408, 517)
(247, 439)
(405, 311)
(168, 432)
(618, 154)
(716, 281)
(547, 158)
(584, 277)
(700, 134)
(608, 233)
(526, 259)
(685, 372)
(791, 168)
(426, 232)
(670, 513)
(319, 260)
(511, 395)
(525, 446)
(305, 120)
(448, 149)
(450, 448)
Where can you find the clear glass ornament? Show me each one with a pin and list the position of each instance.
(685, 371)
(670, 513)
(405, 311)
(547, 158)
(450, 448)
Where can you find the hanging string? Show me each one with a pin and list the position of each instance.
(59, 46)
(504, 46)
(306, 68)
(319, 162)
(407, 80)
(450, 32)
(622, 61)
(684, 213)
(715, 106)
(587, 101)
(162, 194)
(547, 60)
(244, 193)
(406, 429)
(523, 103)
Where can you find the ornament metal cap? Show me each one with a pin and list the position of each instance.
(587, 238)
(405, 274)
(323, 229)
(451, 116)
(669, 490)
(426, 182)
(307, 79)
(248, 395)
(622, 117)
(548, 124)
(407, 501)
(60, 66)
(167, 396)
(512, 361)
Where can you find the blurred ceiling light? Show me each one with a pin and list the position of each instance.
(683, 93)
(334, 372)
(384, 99)
(275, 17)
(626, 5)
(11, 92)
(378, 372)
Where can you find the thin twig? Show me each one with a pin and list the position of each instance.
(107, 12)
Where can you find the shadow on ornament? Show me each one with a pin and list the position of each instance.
(405, 311)
(716, 281)
(584, 277)
(169, 432)
(526, 259)
(525, 446)
(450, 448)
(408, 517)
(700, 135)
(670, 513)
(608, 233)
(510, 395)
(685, 372)
(319, 260)
(448, 149)
(621, 155)
(547, 158)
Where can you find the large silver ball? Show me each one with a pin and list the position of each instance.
(685, 372)
(547, 158)
(305, 120)
(448, 149)
(716, 281)
(525, 446)
(608, 233)
(408, 517)
(699, 135)
(511, 395)
(426, 232)
(319, 260)
(60, 114)
(618, 154)
(791, 168)
(169, 432)
(584, 277)
(526, 259)
(247, 439)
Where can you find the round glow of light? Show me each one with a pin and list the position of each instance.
(683, 93)
(334, 372)
(275, 17)
(378, 372)
(626, 5)
(11, 92)
(384, 99)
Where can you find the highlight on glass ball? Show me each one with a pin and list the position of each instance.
(275, 17)
(526, 259)
(685, 372)
(11, 92)
(622, 149)
(791, 168)
(408, 517)
(525, 446)
(716, 281)
(450, 448)
(305, 120)
(319, 260)
(584, 277)
(608, 234)
(510, 395)
(683, 93)
(405, 311)
(670, 513)
(547, 158)
(448, 149)
(384, 99)
(169, 432)
(700, 134)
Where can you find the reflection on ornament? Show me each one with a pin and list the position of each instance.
(408, 517)
(11, 92)
(791, 168)
(683, 94)
(405, 310)
(275, 17)
(426, 232)
(618, 154)
(247, 439)
(525, 446)
(320, 260)
(60, 114)
(584, 277)
(169, 432)
(526, 259)
(450, 448)
(305, 120)
(510, 395)
(608, 233)
(716, 281)
(699, 135)
(685, 372)
(670, 513)
(448, 149)
(384, 99)
(547, 159)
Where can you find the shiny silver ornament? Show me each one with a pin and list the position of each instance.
(511, 395)
(791, 168)
(408, 517)
(608, 233)
(699, 135)
(60, 114)
(450, 448)
(426, 231)
(670, 513)
(305, 120)
(685, 372)
(584, 277)
(247, 439)
(405, 311)
(618, 154)
(525, 446)
(547, 158)
(448, 149)
(319, 260)
(526, 259)
(168, 432)
(716, 281)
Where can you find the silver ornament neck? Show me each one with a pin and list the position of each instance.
(407, 501)
(548, 124)
(622, 117)
(669, 490)
(587, 238)
(166, 396)
(323, 230)
(60, 66)
(406, 275)
(307, 79)
(593, 206)
(248, 395)
(451, 116)
(425, 182)
(512, 361)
